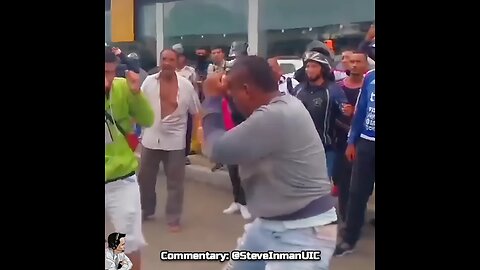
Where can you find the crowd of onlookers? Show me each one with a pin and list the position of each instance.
(331, 92)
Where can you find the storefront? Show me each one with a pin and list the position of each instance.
(271, 27)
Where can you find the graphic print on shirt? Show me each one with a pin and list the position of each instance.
(318, 101)
(370, 118)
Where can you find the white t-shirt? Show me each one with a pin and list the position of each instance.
(169, 133)
(188, 73)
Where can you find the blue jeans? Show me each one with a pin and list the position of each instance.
(261, 236)
(330, 155)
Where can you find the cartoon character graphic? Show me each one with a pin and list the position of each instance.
(115, 257)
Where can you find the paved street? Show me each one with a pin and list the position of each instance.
(206, 228)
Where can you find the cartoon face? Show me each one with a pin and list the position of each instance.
(121, 246)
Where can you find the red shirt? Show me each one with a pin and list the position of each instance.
(227, 115)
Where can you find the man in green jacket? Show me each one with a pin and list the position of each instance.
(124, 103)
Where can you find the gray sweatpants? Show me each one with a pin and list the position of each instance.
(174, 167)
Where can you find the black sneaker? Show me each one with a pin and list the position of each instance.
(342, 249)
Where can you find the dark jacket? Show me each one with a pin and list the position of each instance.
(324, 103)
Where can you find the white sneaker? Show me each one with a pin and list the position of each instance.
(232, 208)
(244, 211)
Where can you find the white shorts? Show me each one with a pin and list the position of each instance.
(122, 205)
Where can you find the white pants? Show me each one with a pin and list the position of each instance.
(122, 204)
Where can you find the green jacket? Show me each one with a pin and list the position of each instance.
(124, 107)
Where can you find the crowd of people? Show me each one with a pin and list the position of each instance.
(283, 137)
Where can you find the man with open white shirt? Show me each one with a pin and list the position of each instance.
(172, 97)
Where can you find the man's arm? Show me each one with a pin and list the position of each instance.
(140, 108)
(126, 263)
(297, 90)
(194, 104)
(193, 80)
(364, 46)
(253, 139)
(359, 115)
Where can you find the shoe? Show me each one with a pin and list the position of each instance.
(342, 249)
(372, 222)
(232, 208)
(335, 191)
(187, 161)
(244, 212)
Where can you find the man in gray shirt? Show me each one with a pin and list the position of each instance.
(282, 166)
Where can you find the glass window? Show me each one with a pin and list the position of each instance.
(196, 23)
(108, 27)
(145, 44)
(345, 22)
(146, 35)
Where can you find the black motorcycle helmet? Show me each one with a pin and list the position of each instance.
(323, 61)
(318, 46)
(133, 56)
(314, 46)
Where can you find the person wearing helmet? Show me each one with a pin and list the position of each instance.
(324, 99)
(134, 61)
(315, 46)
(125, 62)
